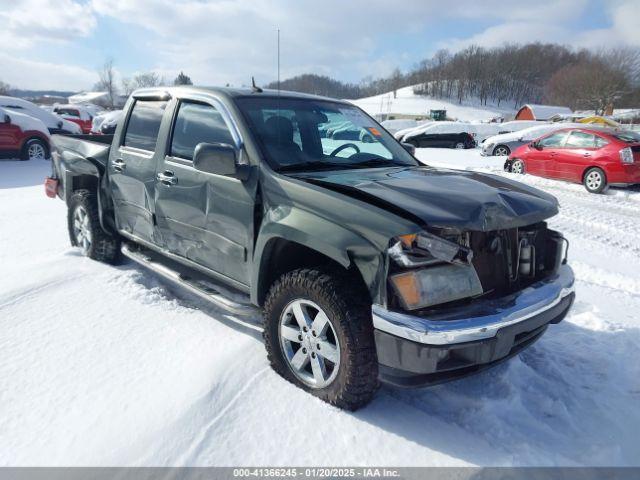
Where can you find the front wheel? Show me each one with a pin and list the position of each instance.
(319, 336)
(459, 146)
(517, 166)
(501, 151)
(595, 181)
(85, 231)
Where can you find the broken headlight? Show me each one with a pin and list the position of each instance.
(448, 275)
(421, 249)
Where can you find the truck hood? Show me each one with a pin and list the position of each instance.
(443, 198)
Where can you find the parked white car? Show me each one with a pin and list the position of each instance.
(55, 123)
(505, 143)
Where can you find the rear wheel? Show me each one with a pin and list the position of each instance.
(459, 146)
(595, 180)
(85, 231)
(35, 149)
(517, 166)
(319, 336)
(501, 151)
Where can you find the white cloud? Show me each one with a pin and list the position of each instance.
(34, 75)
(24, 23)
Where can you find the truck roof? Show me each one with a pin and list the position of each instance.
(231, 92)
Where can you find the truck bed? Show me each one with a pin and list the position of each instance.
(94, 148)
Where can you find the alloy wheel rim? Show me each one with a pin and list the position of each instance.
(459, 146)
(81, 229)
(36, 151)
(517, 167)
(594, 180)
(501, 151)
(309, 343)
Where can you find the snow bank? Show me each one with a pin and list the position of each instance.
(103, 365)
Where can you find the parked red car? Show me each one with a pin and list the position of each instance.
(22, 136)
(75, 114)
(594, 157)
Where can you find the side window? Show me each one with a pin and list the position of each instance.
(580, 140)
(601, 142)
(197, 123)
(554, 140)
(144, 124)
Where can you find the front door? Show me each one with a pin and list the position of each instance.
(540, 161)
(204, 217)
(132, 170)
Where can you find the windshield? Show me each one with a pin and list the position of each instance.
(301, 134)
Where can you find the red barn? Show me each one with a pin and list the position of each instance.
(541, 112)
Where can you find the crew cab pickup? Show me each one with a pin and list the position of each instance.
(367, 265)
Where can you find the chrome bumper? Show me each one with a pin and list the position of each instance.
(481, 319)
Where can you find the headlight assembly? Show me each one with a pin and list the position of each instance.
(447, 274)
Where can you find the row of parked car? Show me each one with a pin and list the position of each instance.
(25, 127)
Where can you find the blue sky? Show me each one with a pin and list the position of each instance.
(60, 44)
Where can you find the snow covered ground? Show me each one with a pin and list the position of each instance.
(105, 365)
(406, 102)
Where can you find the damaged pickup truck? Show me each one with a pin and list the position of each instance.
(368, 266)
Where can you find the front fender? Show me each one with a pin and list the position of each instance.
(312, 231)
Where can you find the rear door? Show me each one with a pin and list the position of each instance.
(204, 217)
(132, 170)
(579, 151)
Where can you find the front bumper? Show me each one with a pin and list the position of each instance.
(416, 351)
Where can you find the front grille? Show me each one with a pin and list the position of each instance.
(504, 266)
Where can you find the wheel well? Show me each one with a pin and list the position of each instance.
(84, 182)
(584, 173)
(281, 256)
(36, 137)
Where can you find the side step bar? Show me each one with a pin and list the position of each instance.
(192, 283)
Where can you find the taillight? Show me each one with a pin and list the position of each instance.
(626, 155)
(51, 187)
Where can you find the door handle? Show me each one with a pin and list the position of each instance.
(167, 178)
(119, 165)
(586, 154)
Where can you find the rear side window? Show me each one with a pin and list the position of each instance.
(197, 123)
(144, 124)
(581, 140)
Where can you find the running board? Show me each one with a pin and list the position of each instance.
(195, 283)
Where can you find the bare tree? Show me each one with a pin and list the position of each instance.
(107, 81)
(4, 88)
(148, 80)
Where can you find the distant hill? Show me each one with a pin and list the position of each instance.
(319, 85)
(38, 93)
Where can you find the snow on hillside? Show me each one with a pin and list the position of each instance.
(103, 365)
(406, 102)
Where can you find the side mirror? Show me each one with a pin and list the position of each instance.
(536, 145)
(219, 159)
(7, 118)
(409, 148)
(60, 124)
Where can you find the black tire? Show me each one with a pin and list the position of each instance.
(459, 146)
(103, 247)
(595, 180)
(501, 150)
(40, 145)
(349, 311)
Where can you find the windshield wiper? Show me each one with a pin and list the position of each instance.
(310, 166)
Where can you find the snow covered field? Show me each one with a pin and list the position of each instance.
(406, 102)
(105, 365)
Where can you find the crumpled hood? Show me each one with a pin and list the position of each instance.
(444, 198)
